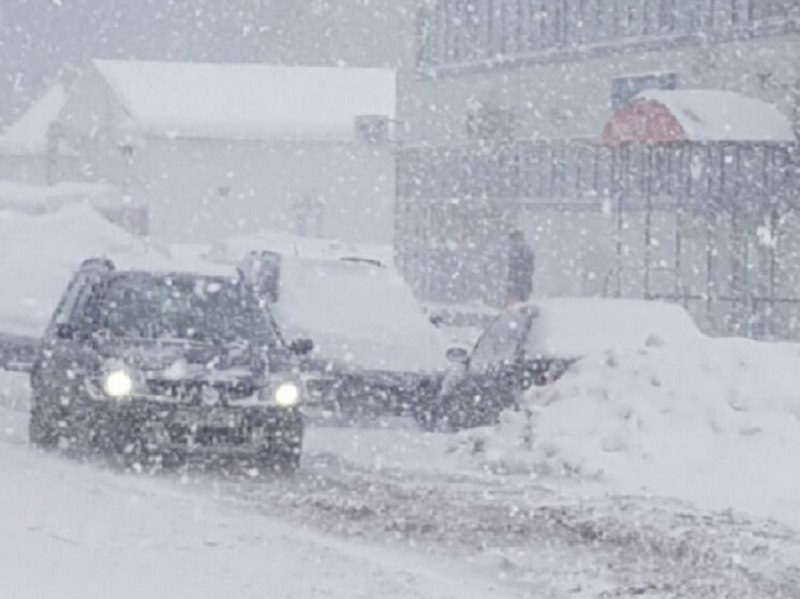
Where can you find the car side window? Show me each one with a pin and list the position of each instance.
(68, 301)
(501, 341)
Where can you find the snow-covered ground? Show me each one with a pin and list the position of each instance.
(715, 422)
(660, 472)
(367, 515)
(75, 530)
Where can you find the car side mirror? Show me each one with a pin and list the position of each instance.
(457, 355)
(65, 330)
(301, 347)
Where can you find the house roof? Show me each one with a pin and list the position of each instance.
(718, 115)
(247, 101)
(28, 135)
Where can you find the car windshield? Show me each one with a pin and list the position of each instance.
(202, 309)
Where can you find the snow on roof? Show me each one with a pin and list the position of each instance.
(718, 115)
(28, 135)
(248, 101)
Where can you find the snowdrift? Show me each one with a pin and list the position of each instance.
(39, 254)
(716, 421)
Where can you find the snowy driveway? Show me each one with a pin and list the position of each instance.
(372, 513)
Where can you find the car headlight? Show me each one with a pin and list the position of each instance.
(117, 384)
(287, 395)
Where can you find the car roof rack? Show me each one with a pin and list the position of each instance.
(98, 263)
(362, 260)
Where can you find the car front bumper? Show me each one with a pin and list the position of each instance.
(390, 391)
(188, 430)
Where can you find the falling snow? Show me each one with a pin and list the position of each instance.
(400, 298)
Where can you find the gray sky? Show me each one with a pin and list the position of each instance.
(41, 39)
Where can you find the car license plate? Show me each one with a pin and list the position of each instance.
(210, 418)
(222, 419)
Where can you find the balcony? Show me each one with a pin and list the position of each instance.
(458, 35)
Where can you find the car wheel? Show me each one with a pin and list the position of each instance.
(427, 417)
(464, 411)
(283, 463)
(138, 458)
(42, 432)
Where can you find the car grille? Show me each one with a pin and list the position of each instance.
(201, 392)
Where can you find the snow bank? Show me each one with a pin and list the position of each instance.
(358, 315)
(39, 254)
(714, 421)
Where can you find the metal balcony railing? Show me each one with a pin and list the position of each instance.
(701, 175)
(463, 32)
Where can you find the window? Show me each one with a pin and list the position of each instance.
(70, 299)
(308, 215)
(775, 9)
(623, 89)
(500, 342)
(426, 37)
(487, 122)
(144, 306)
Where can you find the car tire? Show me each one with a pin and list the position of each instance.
(457, 412)
(42, 433)
(281, 463)
(427, 418)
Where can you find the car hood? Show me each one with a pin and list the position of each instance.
(178, 360)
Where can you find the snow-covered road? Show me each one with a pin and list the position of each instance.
(374, 512)
(74, 530)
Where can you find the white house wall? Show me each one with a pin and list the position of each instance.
(205, 190)
(88, 121)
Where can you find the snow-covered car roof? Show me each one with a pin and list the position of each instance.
(359, 315)
(234, 249)
(573, 327)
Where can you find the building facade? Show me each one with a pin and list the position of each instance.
(559, 68)
(214, 150)
(506, 106)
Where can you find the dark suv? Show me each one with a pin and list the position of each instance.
(162, 367)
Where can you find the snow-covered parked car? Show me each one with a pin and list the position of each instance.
(535, 343)
(234, 249)
(375, 349)
(164, 367)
